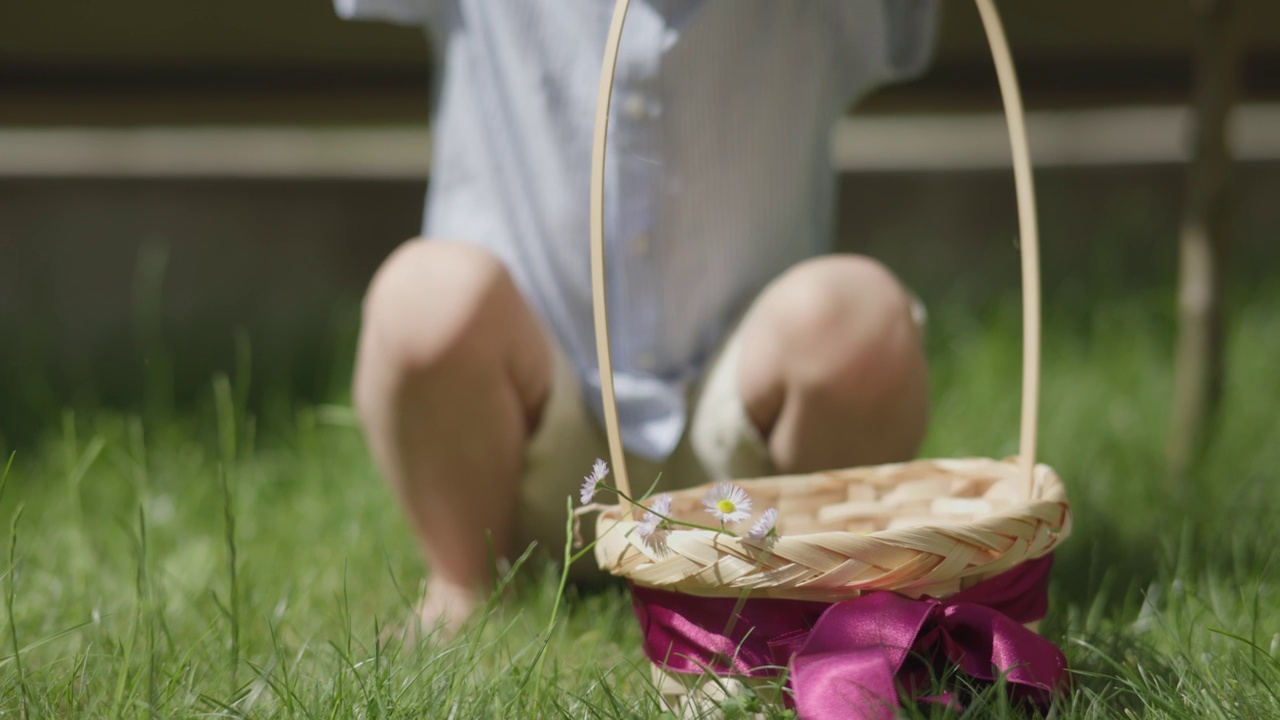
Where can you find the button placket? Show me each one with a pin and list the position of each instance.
(635, 106)
(640, 246)
(639, 164)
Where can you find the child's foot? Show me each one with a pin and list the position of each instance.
(445, 607)
(441, 613)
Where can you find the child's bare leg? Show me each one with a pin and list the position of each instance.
(832, 368)
(451, 376)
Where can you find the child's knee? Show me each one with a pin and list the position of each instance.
(434, 304)
(848, 323)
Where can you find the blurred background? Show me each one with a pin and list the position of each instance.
(187, 188)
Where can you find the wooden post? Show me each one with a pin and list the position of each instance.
(1198, 363)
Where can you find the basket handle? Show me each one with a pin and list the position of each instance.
(1027, 229)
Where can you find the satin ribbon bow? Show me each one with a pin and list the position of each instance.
(847, 659)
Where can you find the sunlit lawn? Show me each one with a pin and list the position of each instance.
(198, 565)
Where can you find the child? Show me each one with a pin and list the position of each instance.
(741, 347)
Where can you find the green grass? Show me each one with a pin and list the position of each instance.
(201, 566)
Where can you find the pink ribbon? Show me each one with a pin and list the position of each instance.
(847, 659)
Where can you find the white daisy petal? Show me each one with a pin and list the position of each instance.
(647, 525)
(599, 471)
(764, 525)
(655, 519)
(728, 503)
(662, 505)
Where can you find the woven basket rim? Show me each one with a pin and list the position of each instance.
(1040, 524)
(1015, 509)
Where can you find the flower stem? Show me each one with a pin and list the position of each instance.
(667, 519)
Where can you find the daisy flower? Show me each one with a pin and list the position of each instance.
(764, 525)
(728, 503)
(653, 519)
(661, 506)
(599, 472)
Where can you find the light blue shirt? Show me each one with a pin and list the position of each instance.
(718, 175)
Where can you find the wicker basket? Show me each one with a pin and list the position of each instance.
(923, 528)
(929, 527)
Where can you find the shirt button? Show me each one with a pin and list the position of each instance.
(640, 245)
(635, 106)
(669, 38)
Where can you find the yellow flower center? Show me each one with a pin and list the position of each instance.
(726, 506)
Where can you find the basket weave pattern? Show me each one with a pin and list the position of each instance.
(928, 527)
